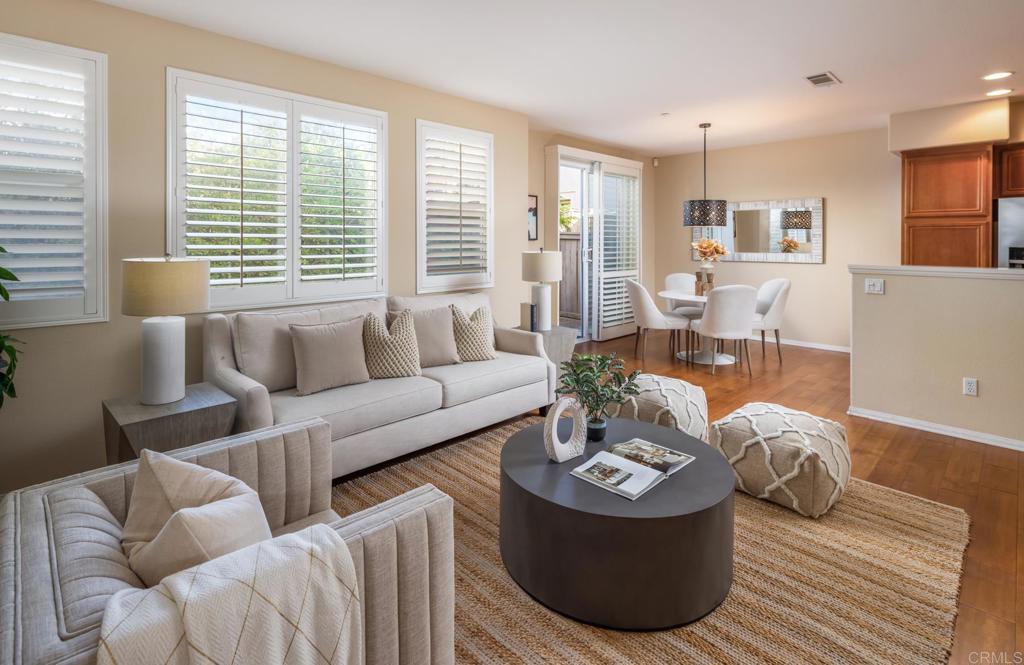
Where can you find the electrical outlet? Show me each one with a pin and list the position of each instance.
(874, 286)
(970, 386)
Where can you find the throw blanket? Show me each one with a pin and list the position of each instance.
(292, 599)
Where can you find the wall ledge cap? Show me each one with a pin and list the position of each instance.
(940, 271)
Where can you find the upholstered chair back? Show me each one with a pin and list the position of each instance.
(771, 302)
(645, 311)
(729, 312)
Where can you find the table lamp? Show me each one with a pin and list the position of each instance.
(542, 267)
(162, 289)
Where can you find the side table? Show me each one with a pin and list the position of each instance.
(559, 343)
(206, 413)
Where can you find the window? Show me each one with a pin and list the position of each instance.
(52, 182)
(283, 194)
(455, 208)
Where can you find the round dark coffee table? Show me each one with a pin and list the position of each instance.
(661, 561)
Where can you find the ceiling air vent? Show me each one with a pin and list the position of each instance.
(823, 79)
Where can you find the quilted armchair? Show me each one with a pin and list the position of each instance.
(61, 559)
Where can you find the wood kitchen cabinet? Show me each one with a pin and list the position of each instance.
(947, 206)
(1010, 179)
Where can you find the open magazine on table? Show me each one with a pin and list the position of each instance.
(631, 468)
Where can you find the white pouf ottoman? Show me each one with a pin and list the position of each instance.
(668, 402)
(789, 457)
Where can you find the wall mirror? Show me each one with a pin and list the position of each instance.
(778, 231)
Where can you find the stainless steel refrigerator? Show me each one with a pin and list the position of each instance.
(1010, 233)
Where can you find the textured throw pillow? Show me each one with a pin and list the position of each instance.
(329, 355)
(183, 514)
(391, 353)
(474, 335)
(435, 336)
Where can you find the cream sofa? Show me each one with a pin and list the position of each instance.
(249, 355)
(61, 558)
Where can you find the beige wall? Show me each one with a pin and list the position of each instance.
(975, 122)
(910, 355)
(856, 175)
(54, 427)
(539, 140)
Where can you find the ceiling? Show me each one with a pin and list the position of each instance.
(608, 69)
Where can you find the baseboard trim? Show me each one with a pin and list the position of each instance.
(770, 338)
(936, 428)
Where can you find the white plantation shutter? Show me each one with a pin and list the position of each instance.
(455, 208)
(236, 190)
(340, 200)
(620, 249)
(51, 181)
(280, 192)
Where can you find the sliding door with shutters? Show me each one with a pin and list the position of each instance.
(616, 249)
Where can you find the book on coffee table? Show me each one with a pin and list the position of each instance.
(631, 468)
(652, 455)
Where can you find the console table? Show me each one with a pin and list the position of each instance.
(206, 413)
(661, 561)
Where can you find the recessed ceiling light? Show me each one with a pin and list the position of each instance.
(995, 76)
(665, 114)
(999, 92)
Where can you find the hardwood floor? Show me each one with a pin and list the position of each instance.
(984, 480)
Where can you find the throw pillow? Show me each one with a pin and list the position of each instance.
(435, 336)
(329, 355)
(391, 353)
(183, 514)
(474, 335)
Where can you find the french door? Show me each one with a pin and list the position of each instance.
(609, 223)
(616, 250)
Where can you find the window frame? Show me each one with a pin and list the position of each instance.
(444, 283)
(93, 308)
(294, 291)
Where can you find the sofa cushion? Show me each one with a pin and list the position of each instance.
(391, 352)
(329, 355)
(435, 336)
(360, 407)
(474, 334)
(469, 302)
(469, 381)
(89, 564)
(263, 346)
(183, 514)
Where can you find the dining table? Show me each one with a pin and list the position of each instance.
(702, 357)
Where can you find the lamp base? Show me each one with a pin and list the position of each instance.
(163, 359)
(540, 295)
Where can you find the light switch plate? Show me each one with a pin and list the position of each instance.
(874, 286)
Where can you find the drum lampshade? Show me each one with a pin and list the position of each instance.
(542, 266)
(164, 287)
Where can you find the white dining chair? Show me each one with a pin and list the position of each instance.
(771, 305)
(649, 317)
(680, 281)
(726, 317)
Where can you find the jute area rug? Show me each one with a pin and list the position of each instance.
(874, 581)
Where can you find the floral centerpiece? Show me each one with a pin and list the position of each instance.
(709, 250)
(789, 245)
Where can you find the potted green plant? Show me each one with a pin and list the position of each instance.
(8, 350)
(596, 381)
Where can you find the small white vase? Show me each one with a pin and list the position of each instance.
(560, 451)
(707, 265)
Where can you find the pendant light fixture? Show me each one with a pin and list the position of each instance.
(705, 211)
(796, 219)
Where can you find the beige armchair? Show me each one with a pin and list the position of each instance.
(60, 554)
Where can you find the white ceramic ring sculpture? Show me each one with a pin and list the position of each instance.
(558, 450)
